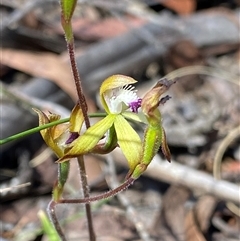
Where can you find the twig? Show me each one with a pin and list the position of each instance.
(15, 187)
(193, 179)
(233, 135)
(29, 102)
(7, 189)
(131, 212)
(42, 157)
(203, 70)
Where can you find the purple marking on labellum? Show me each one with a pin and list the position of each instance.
(72, 137)
(135, 105)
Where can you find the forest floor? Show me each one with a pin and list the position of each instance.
(195, 42)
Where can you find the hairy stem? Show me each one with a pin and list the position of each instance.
(83, 176)
(52, 214)
(84, 107)
(105, 195)
(76, 76)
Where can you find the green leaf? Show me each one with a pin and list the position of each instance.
(68, 7)
(42, 127)
(47, 226)
(129, 141)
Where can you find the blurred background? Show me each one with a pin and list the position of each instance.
(195, 42)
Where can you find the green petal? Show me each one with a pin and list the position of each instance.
(76, 119)
(86, 142)
(129, 141)
(139, 117)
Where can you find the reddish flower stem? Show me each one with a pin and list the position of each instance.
(105, 195)
(76, 76)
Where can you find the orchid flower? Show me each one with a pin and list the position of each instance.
(56, 138)
(121, 103)
(118, 98)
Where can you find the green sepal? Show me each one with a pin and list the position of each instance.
(86, 142)
(151, 144)
(139, 117)
(110, 143)
(128, 140)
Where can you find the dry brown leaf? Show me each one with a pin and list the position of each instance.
(181, 7)
(106, 28)
(108, 222)
(192, 232)
(45, 65)
(169, 224)
(198, 219)
(230, 165)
